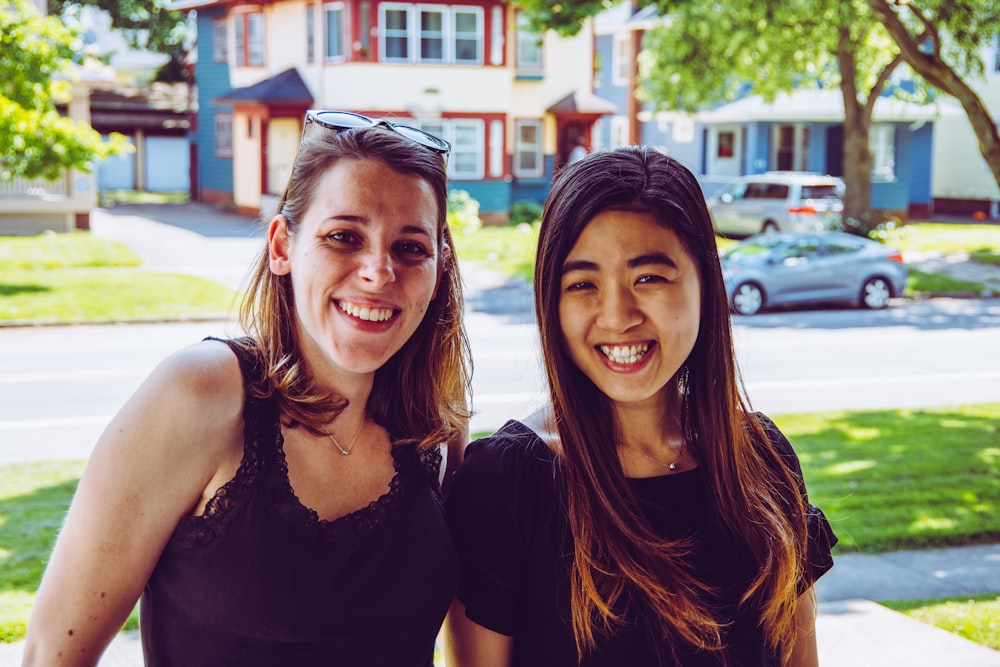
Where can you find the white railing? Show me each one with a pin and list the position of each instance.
(35, 188)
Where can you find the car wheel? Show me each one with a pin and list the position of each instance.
(748, 299)
(769, 227)
(875, 293)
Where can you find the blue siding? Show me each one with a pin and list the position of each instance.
(214, 173)
(921, 154)
(493, 196)
(894, 195)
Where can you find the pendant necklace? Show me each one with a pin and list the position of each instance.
(354, 440)
(672, 466)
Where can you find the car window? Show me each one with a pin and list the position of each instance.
(734, 190)
(820, 192)
(802, 248)
(754, 248)
(842, 246)
(776, 191)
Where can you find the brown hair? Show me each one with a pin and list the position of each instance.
(419, 395)
(620, 565)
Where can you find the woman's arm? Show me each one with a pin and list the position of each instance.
(804, 652)
(468, 644)
(169, 446)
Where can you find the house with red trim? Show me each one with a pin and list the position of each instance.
(510, 101)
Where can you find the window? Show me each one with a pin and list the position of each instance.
(468, 146)
(395, 22)
(882, 140)
(220, 38)
(619, 131)
(249, 29)
(529, 45)
(224, 134)
(333, 31)
(496, 37)
(496, 148)
(310, 33)
(468, 33)
(431, 34)
(727, 143)
(528, 149)
(621, 60)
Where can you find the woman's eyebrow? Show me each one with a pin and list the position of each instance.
(648, 259)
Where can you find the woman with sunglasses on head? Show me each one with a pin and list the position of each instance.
(646, 516)
(275, 499)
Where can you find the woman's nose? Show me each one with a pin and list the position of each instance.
(377, 267)
(618, 311)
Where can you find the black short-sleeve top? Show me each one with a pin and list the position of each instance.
(508, 520)
(260, 581)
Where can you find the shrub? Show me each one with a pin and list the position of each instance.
(525, 212)
(463, 212)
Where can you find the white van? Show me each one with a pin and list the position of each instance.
(785, 201)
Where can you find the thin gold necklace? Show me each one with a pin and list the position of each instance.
(354, 440)
(672, 466)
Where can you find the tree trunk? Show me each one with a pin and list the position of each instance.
(940, 75)
(857, 156)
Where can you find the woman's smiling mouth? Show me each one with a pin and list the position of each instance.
(367, 313)
(624, 354)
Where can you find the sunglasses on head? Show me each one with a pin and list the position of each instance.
(346, 120)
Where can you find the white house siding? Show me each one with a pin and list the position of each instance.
(959, 170)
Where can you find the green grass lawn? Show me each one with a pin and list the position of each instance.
(887, 479)
(975, 617)
(77, 277)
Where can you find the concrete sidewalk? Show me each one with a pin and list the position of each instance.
(852, 631)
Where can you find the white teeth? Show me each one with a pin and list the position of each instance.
(366, 313)
(625, 354)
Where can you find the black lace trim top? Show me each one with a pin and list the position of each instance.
(259, 579)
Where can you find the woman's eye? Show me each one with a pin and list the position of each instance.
(578, 285)
(413, 249)
(342, 236)
(650, 279)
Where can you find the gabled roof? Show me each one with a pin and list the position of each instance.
(284, 88)
(582, 102)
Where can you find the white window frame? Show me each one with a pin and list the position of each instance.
(528, 39)
(497, 37)
(441, 37)
(523, 149)
(330, 10)
(619, 132)
(406, 33)
(220, 40)
(496, 148)
(249, 33)
(224, 134)
(479, 36)
(310, 32)
(882, 143)
(621, 57)
(472, 152)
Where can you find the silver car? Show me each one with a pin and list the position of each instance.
(776, 269)
(778, 201)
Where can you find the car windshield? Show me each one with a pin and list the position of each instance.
(754, 248)
(825, 191)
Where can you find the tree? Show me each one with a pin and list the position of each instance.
(942, 42)
(145, 24)
(35, 70)
(709, 52)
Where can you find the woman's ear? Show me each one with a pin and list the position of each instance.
(278, 246)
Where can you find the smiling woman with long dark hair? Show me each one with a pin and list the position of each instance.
(647, 516)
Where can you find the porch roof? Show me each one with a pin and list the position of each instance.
(583, 103)
(819, 106)
(284, 88)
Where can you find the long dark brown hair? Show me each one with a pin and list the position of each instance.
(620, 566)
(419, 395)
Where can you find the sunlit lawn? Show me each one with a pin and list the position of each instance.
(77, 277)
(975, 617)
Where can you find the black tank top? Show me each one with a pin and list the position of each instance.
(259, 579)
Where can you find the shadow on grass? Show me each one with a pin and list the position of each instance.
(14, 290)
(909, 479)
(29, 524)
